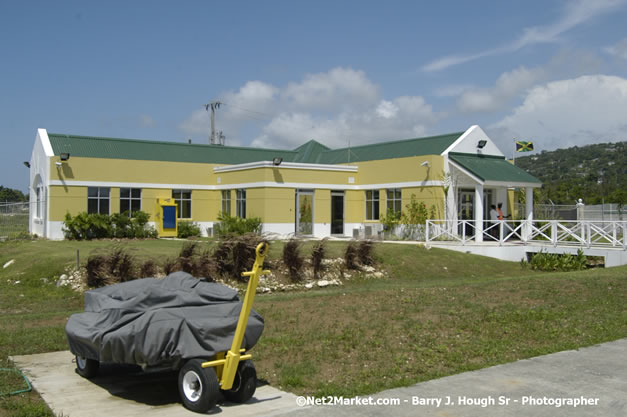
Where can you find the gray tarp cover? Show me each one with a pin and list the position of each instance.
(157, 323)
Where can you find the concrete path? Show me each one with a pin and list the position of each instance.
(530, 387)
(594, 377)
(120, 392)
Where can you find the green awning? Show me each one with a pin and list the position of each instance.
(494, 169)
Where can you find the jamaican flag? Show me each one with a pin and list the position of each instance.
(522, 146)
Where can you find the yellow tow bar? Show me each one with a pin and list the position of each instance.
(226, 363)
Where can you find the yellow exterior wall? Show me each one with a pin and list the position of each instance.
(132, 171)
(354, 206)
(63, 200)
(400, 170)
(273, 205)
(431, 196)
(322, 206)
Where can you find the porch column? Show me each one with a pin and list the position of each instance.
(528, 212)
(478, 213)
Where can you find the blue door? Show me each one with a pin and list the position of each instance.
(169, 217)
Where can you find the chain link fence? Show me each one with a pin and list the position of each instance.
(13, 220)
(597, 212)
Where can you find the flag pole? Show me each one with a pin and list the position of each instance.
(514, 153)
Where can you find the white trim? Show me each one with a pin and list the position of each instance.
(510, 184)
(286, 165)
(45, 142)
(459, 139)
(260, 184)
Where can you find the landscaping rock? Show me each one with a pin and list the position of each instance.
(323, 283)
(309, 285)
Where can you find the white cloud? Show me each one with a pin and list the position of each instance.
(574, 14)
(333, 107)
(619, 50)
(403, 117)
(339, 88)
(587, 109)
(508, 85)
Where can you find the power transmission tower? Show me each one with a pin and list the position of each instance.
(212, 139)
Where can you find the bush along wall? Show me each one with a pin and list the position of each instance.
(86, 226)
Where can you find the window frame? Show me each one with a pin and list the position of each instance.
(240, 203)
(99, 198)
(130, 200)
(395, 202)
(372, 205)
(226, 202)
(179, 200)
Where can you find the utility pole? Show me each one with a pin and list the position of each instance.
(213, 106)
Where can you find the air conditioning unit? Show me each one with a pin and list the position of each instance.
(209, 231)
(368, 231)
(356, 233)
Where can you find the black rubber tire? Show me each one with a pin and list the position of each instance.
(198, 386)
(87, 368)
(244, 385)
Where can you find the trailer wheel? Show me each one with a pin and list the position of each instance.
(198, 386)
(87, 368)
(244, 385)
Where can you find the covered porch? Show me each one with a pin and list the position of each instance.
(474, 184)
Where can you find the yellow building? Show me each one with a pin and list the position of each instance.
(311, 190)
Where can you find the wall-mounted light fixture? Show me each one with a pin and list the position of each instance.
(27, 164)
(277, 161)
(481, 143)
(64, 156)
(426, 164)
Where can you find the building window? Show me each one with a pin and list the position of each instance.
(183, 200)
(394, 200)
(240, 204)
(372, 204)
(130, 200)
(98, 200)
(38, 191)
(226, 202)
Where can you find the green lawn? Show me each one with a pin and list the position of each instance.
(438, 313)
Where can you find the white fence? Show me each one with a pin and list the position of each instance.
(13, 219)
(554, 232)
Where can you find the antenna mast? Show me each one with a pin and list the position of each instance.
(220, 138)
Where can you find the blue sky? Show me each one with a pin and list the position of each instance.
(554, 72)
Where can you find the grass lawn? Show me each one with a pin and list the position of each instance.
(438, 313)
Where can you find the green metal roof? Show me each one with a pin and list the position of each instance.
(492, 168)
(96, 147)
(309, 152)
(433, 145)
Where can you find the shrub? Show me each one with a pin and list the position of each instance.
(292, 258)
(236, 226)
(116, 265)
(148, 269)
(317, 255)
(558, 262)
(350, 255)
(222, 256)
(96, 273)
(188, 229)
(365, 252)
(243, 253)
(186, 257)
(170, 265)
(121, 265)
(86, 226)
(390, 220)
(204, 266)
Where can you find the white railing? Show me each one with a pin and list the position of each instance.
(554, 232)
